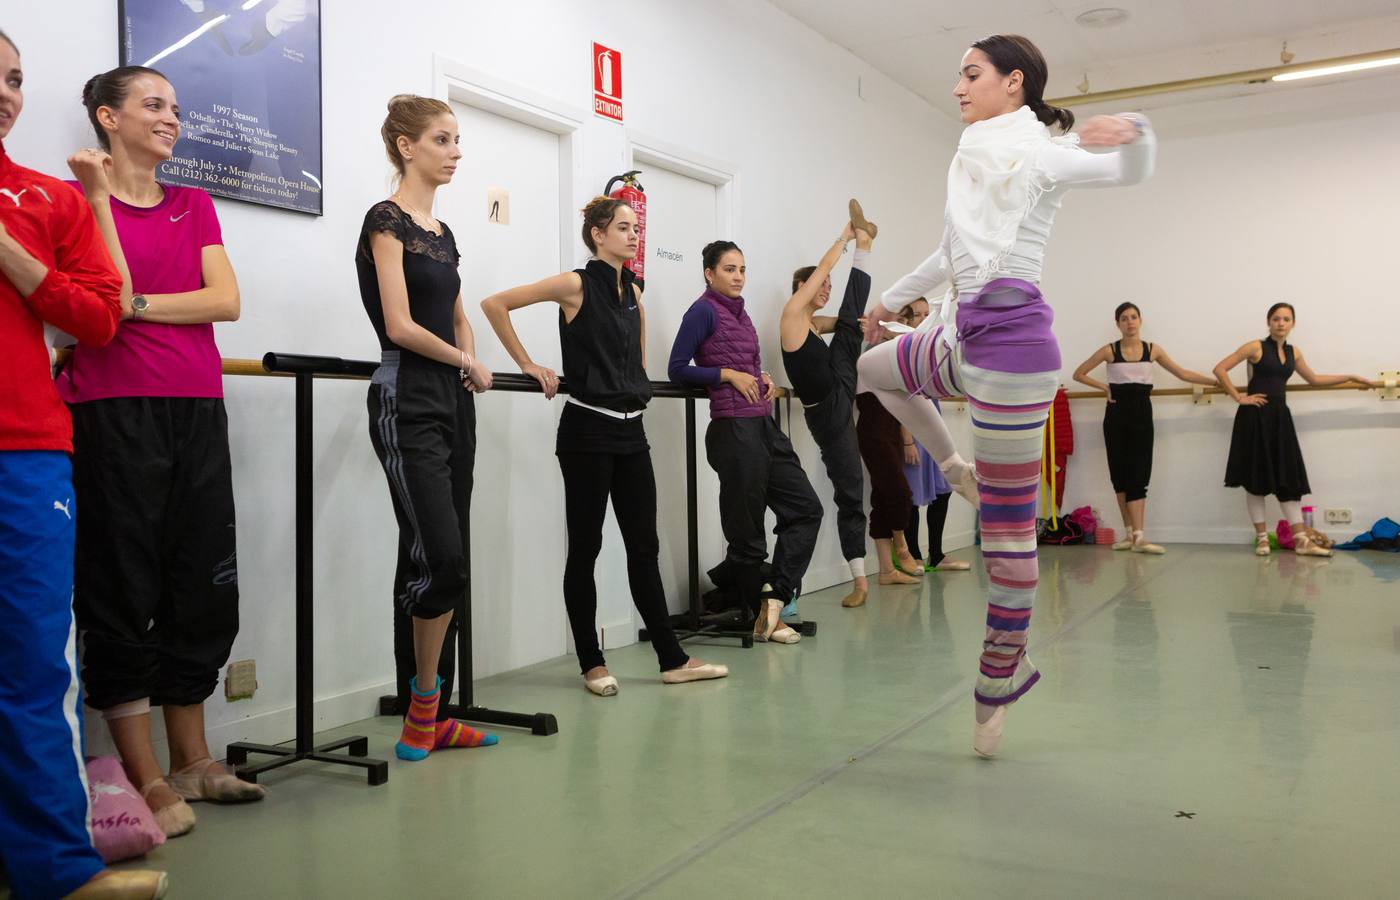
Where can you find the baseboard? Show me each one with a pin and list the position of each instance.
(273, 726)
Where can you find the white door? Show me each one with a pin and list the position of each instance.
(518, 535)
(682, 217)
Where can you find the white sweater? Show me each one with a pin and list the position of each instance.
(1058, 168)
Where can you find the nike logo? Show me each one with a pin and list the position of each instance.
(63, 508)
(180, 216)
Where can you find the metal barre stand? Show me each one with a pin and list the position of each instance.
(305, 369)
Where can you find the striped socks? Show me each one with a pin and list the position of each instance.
(420, 725)
(452, 733)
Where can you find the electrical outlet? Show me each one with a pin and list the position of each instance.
(1337, 516)
(240, 680)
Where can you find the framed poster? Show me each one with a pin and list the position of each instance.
(247, 74)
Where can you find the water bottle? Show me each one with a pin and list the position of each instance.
(1308, 516)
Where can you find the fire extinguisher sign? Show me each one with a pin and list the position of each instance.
(607, 82)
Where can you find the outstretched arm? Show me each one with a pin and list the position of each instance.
(566, 289)
(1160, 356)
(793, 323)
(1081, 374)
(1131, 153)
(1312, 377)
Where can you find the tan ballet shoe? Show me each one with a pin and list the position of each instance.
(207, 780)
(951, 565)
(176, 819)
(858, 220)
(142, 884)
(1303, 546)
(895, 577)
(602, 687)
(1142, 546)
(768, 627)
(909, 566)
(1125, 544)
(855, 598)
(1261, 544)
(687, 673)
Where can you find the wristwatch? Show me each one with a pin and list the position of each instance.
(139, 305)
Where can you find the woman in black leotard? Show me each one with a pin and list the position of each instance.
(1264, 454)
(1127, 418)
(825, 380)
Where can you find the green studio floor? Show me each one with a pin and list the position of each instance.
(1260, 697)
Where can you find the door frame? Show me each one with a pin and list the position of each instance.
(645, 150)
(454, 80)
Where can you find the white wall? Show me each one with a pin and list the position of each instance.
(1244, 211)
(731, 80)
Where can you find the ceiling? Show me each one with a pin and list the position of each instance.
(918, 43)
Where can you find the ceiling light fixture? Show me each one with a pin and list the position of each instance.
(1103, 17)
(1339, 70)
(1335, 66)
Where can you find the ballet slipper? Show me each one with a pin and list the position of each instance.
(855, 598)
(606, 686)
(951, 565)
(1142, 546)
(1261, 544)
(207, 780)
(138, 884)
(858, 220)
(986, 736)
(908, 565)
(1304, 546)
(768, 626)
(896, 577)
(702, 671)
(1125, 544)
(176, 819)
(966, 485)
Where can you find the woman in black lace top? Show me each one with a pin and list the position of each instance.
(421, 418)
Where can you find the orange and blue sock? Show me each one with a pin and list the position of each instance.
(452, 733)
(419, 734)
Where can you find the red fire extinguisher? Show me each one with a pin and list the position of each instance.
(636, 197)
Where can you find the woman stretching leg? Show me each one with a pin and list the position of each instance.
(1004, 187)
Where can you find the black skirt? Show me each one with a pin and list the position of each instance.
(1264, 454)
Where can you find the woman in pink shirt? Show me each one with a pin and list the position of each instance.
(156, 578)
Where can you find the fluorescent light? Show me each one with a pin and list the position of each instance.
(250, 4)
(186, 40)
(1338, 70)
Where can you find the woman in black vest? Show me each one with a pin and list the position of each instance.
(601, 444)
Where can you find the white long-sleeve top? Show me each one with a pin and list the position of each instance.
(1057, 169)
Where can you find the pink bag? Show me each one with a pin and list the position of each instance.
(122, 825)
(1284, 532)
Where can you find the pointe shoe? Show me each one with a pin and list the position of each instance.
(603, 687)
(855, 598)
(895, 577)
(913, 567)
(1125, 544)
(1303, 546)
(207, 780)
(1261, 544)
(702, 672)
(768, 627)
(1142, 546)
(950, 565)
(858, 220)
(966, 485)
(986, 736)
(143, 884)
(176, 819)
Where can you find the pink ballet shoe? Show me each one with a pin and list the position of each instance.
(986, 736)
(966, 485)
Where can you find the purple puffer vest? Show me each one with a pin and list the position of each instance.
(732, 345)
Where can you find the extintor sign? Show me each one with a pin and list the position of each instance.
(607, 82)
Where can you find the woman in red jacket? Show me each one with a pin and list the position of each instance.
(53, 270)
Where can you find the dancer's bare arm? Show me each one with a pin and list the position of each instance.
(792, 326)
(1312, 377)
(1102, 355)
(1251, 351)
(1160, 357)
